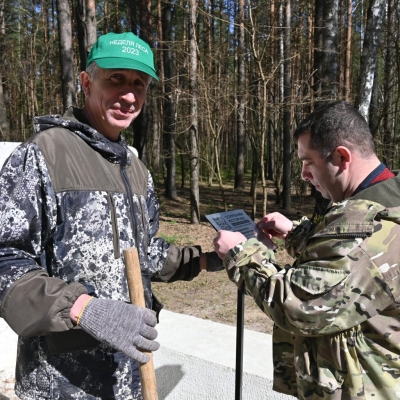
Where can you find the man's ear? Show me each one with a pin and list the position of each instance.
(85, 82)
(343, 157)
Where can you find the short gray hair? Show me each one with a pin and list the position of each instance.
(92, 69)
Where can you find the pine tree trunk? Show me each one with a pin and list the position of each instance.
(86, 27)
(169, 120)
(66, 54)
(193, 131)
(287, 137)
(4, 123)
(240, 145)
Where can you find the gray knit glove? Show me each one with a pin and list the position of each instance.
(125, 327)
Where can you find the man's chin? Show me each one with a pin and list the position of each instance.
(324, 195)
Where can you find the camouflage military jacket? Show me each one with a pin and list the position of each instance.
(70, 202)
(336, 310)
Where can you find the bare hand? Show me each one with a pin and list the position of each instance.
(275, 225)
(225, 240)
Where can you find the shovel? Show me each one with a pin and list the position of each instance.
(136, 294)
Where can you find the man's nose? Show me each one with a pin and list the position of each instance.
(305, 175)
(128, 95)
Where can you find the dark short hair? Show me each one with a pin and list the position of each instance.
(337, 124)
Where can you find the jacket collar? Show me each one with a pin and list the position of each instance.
(74, 120)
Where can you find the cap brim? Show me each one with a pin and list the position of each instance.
(115, 63)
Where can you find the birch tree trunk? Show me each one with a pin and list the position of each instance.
(369, 56)
(66, 54)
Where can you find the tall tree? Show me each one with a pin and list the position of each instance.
(287, 92)
(4, 124)
(193, 130)
(326, 60)
(141, 123)
(66, 53)
(169, 117)
(347, 66)
(241, 99)
(86, 27)
(326, 66)
(369, 57)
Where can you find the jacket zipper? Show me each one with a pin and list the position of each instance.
(114, 223)
(342, 235)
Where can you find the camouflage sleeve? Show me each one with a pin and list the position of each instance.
(297, 239)
(28, 216)
(346, 275)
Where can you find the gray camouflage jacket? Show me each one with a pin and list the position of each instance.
(70, 202)
(336, 310)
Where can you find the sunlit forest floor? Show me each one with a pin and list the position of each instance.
(211, 295)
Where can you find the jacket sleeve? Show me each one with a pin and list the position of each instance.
(347, 273)
(169, 262)
(31, 302)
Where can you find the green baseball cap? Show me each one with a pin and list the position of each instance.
(123, 50)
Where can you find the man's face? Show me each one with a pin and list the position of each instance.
(325, 175)
(114, 98)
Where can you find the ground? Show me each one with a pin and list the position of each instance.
(211, 295)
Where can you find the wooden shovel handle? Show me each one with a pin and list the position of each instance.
(136, 294)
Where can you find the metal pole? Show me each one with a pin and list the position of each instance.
(239, 345)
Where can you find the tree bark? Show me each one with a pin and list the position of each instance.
(369, 57)
(169, 117)
(86, 28)
(193, 130)
(66, 54)
(347, 73)
(4, 123)
(287, 137)
(240, 133)
(326, 60)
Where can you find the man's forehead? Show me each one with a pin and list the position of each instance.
(126, 71)
(304, 151)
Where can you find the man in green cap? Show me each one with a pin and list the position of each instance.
(72, 197)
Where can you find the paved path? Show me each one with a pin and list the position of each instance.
(8, 351)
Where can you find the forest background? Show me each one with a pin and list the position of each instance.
(236, 76)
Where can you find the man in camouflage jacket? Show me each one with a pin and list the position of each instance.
(72, 197)
(336, 309)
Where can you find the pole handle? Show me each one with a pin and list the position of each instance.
(136, 294)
